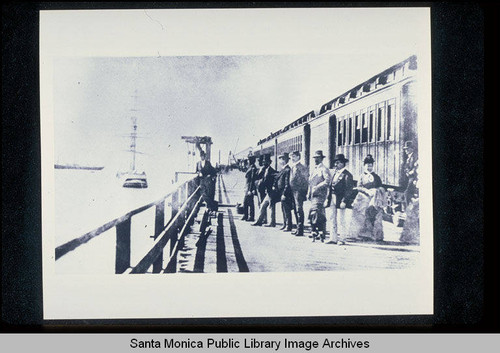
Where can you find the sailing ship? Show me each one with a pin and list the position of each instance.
(133, 178)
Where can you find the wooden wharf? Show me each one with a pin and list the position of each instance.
(232, 245)
(188, 239)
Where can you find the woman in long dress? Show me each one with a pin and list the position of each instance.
(367, 208)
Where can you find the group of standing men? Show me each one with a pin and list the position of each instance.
(292, 186)
(354, 210)
(288, 186)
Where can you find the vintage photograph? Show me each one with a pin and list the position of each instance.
(236, 149)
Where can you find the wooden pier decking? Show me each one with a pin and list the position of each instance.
(229, 244)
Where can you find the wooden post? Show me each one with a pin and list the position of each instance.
(307, 144)
(332, 139)
(174, 203)
(276, 153)
(159, 224)
(172, 265)
(122, 259)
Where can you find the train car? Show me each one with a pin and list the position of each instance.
(268, 146)
(375, 117)
(295, 137)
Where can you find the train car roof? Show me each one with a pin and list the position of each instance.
(380, 77)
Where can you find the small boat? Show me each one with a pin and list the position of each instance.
(135, 180)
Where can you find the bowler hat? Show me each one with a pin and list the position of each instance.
(341, 158)
(408, 144)
(296, 153)
(318, 154)
(267, 157)
(251, 158)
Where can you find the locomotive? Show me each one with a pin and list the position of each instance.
(375, 117)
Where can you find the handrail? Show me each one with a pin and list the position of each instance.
(162, 239)
(73, 244)
(122, 225)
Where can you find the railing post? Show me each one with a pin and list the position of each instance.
(172, 265)
(159, 224)
(175, 203)
(122, 259)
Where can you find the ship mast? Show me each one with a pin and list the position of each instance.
(133, 135)
(133, 138)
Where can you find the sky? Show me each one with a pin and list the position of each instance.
(235, 96)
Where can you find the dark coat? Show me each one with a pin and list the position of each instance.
(410, 166)
(342, 188)
(410, 171)
(282, 184)
(259, 178)
(207, 170)
(207, 183)
(267, 182)
(251, 176)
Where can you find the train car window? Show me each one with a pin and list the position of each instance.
(364, 133)
(371, 126)
(343, 132)
(350, 130)
(339, 134)
(390, 109)
(357, 132)
(380, 124)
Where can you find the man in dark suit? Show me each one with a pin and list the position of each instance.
(267, 183)
(340, 198)
(206, 179)
(250, 191)
(299, 176)
(261, 190)
(410, 170)
(283, 192)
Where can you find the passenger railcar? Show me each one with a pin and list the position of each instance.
(376, 117)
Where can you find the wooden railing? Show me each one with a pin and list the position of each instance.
(184, 202)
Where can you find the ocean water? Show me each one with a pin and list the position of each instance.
(87, 199)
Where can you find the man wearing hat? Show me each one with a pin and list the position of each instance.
(410, 170)
(267, 183)
(250, 190)
(299, 176)
(261, 190)
(340, 197)
(206, 179)
(283, 192)
(317, 193)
